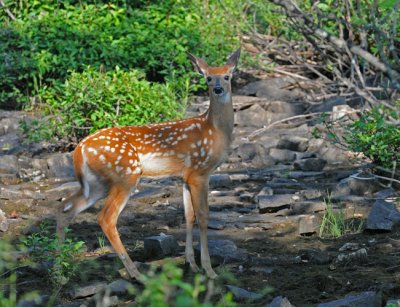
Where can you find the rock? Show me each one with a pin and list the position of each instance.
(223, 251)
(271, 89)
(62, 191)
(349, 247)
(8, 164)
(220, 180)
(255, 116)
(243, 295)
(364, 299)
(266, 191)
(86, 291)
(247, 151)
(310, 165)
(307, 207)
(263, 270)
(355, 186)
(360, 255)
(3, 221)
(311, 194)
(280, 301)
(60, 165)
(382, 216)
(327, 105)
(315, 256)
(293, 143)
(282, 155)
(119, 287)
(339, 112)
(308, 225)
(16, 192)
(160, 246)
(274, 203)
(217, 225)
(385, 193)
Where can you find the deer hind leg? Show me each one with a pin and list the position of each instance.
(199, 195)
(190, 218)
(115, 203)
(92, 189)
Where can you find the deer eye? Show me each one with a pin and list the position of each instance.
(226, 77)
(209, 79)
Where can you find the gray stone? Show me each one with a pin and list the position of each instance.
(86, 291)
(15, 193)
(160, 246)
(311, 194)
(364, 299)
(255, 116)
(243, 295)
(385, 193)
(220, 180)
(265, 191)
(306, 207)
(360, 255)
(280, 301)
(223, 251)
(274, 203)
(308, 225)
(382, 216)
(217, 225)
(248, 151)
(327, 105)
(356, 186)
(293, 143)
(310, 165)
(9, 164)
(3, 221)
(282, 155)
(60, 165)
(119, 287)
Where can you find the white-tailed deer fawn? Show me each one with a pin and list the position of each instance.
(109, 163)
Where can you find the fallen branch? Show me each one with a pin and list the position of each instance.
(293, 11)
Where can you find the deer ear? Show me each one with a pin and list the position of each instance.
(233, 59)
(199, 65)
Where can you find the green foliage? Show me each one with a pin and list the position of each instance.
(91, 100)
(45, 247)
(8, 277)
(50, 38)
(376, 137)
(168, 288)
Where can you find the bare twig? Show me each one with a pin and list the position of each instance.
(9, 13)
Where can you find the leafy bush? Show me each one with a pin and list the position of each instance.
(92, 100)
(376, 137)
(168, 288)
(51, 38)
(45, 247)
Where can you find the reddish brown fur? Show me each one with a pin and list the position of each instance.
(111, 161)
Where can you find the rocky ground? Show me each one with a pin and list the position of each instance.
(266, 206)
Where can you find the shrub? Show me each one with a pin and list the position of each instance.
(45, 247)
(376, 137)
(92, 100)
(167, 288)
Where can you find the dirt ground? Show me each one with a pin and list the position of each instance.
(303, 269)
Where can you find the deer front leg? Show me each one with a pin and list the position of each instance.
(107, 219)
(199, 195)
(190, 218)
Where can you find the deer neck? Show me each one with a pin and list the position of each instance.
(220, 114)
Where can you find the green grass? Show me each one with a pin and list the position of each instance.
(334, 223)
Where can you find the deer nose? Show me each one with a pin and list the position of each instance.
(218, 90)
